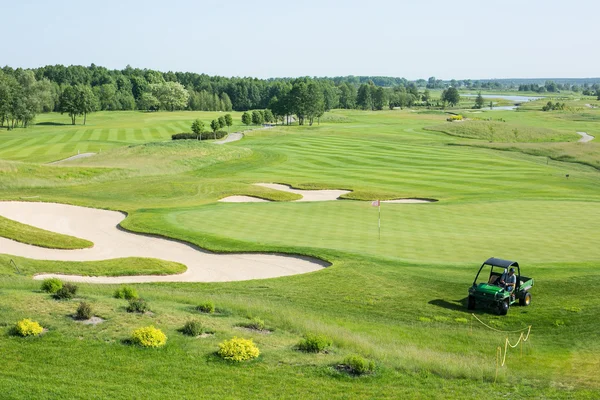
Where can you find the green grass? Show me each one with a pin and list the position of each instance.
(398, 300)
(113, 267)
(39, 237)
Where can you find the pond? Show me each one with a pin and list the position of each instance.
(516, 99)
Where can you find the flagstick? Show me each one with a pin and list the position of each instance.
(379, 220)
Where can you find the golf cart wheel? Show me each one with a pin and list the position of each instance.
(471, 303)
(525, 300)
(503, 308)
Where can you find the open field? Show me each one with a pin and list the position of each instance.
(398, 300)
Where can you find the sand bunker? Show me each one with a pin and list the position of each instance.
(75, 157)
(307, 195)
(585, 137)
(243, 199)
(101, 227)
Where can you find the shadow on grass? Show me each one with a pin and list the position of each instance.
(457, 305)
(52, 124)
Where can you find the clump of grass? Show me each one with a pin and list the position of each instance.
(255, 323)
(194, 328)
(126, 292)
(137, 306)
(440, 318)
(66, 292)
(51, 285)
(314, 343)
(461, 320)
(84, 311)
(573, 309)
(357, 365)
(425, 319)
(207, 307)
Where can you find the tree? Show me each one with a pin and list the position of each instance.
(257, 117)
(228, 121)
(364, 100)
(268, 116)
(246, 118)
(379, 98)
(479, 101)
(171, 95)
(426, 96)
(214, 125)
(598, 94)
(222, 123)
(315, 102)
(197, 127)
(451, 96)
(68, 103)
(148, 102)
(86, 100)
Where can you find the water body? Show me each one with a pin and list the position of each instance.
(516, 99)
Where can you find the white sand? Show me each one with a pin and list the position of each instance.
(585, 137)
(100, 227)
(307, 195)
(75, 157)
(243, 199)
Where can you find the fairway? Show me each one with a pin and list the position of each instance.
(395, 295)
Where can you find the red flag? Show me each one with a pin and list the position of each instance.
(375, 203)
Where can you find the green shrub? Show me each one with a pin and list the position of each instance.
(238, 349)
(27, 327)
(193, 328)
(255, 323)
(357, 365)
(137, 305)
(314, 343)
(51, 285)
(66, 292)
(84, 311)
(203, 135)
(126, 292)
(149, 337)
(207, 307)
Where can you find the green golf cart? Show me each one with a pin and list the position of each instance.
(489, 292)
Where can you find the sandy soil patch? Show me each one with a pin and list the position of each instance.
(585, 137)
(101, 228)
(92, 321)
(75, 157)
(243, 199)
(307, 195)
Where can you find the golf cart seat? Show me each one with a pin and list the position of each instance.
(493, 279)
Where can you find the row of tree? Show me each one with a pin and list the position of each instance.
(553, 87)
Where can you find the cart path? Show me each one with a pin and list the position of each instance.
(101, 227)
(232, 137)
(585, 137)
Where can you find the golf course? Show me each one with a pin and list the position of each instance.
(302, 249)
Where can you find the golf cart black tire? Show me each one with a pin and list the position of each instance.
(525, 300)
(503, 308)
(471, 303)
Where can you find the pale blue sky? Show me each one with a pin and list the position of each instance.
(267, 38)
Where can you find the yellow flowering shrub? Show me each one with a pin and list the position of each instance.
(149, 337)
(238, 349)
(27, 327)
(455, 118)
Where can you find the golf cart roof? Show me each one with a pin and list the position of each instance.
(498, 262)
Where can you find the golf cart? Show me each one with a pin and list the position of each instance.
(489, 292)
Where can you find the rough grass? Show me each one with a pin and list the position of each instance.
(39, 237)
(496, 131)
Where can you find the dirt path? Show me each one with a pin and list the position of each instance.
(101, 227)
(232, 137)
(585, 137)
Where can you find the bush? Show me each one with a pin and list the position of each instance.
(357, 365)
(68, 291)
(255, 323)
(314, 343)
(193, 328)
(126, 292)
(52, 285)
(207, 307)
(27, 327)
(84, 311)
(149, 337)
(238, 349)
(203, 135)
(137, 305)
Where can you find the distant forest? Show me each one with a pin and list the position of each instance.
(78, 90)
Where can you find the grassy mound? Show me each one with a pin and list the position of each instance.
(496, 131)
(39, 237)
